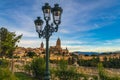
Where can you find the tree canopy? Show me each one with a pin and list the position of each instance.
(8, 42)
(31, 54)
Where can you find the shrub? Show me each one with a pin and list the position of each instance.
(5, 74)
(27, 68)
(37, 66)
(24, 76)
(103, 75)
(3, 63)
(64, 72)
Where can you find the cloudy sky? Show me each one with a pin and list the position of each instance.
(87, 25)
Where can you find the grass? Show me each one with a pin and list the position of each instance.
(23, 76)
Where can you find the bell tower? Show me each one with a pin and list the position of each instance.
(58, 43)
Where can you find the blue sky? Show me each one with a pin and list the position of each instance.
(87, 25)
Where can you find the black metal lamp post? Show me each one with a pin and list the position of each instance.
(48, 29)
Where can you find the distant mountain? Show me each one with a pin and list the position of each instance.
(85, 53)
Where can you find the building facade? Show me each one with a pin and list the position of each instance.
(57, 49)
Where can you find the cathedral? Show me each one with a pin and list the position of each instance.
(57, 49)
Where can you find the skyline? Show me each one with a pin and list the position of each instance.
(94, 27)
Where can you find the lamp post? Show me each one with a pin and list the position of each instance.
(47, 31)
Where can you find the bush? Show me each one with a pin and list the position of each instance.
(103, 75)
(37, 67)
(23, 76)
(5, 74)
(3, 63)
(64, 72)
(27, 68)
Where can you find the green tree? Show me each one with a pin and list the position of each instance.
(37, 67)
(31, 54)
(8, 42)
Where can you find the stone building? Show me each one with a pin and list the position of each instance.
(20, 52)
(57, 49)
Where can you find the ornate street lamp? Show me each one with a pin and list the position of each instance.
(47, 31)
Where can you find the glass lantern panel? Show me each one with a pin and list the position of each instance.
(46, 10)
(38, 28)
(57, 13)
(47, 13)
(57, 16)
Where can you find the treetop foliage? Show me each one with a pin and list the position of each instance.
(8, 42)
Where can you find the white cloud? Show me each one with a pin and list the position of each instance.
(27, 34)
(64, 31)
(93, 48)
(112, 42)
(29, 43)
(72, 42)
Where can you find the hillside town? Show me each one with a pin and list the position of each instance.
(21, 52)
(57, 52)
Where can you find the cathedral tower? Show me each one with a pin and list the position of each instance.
(42, 45)
(58, 43)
